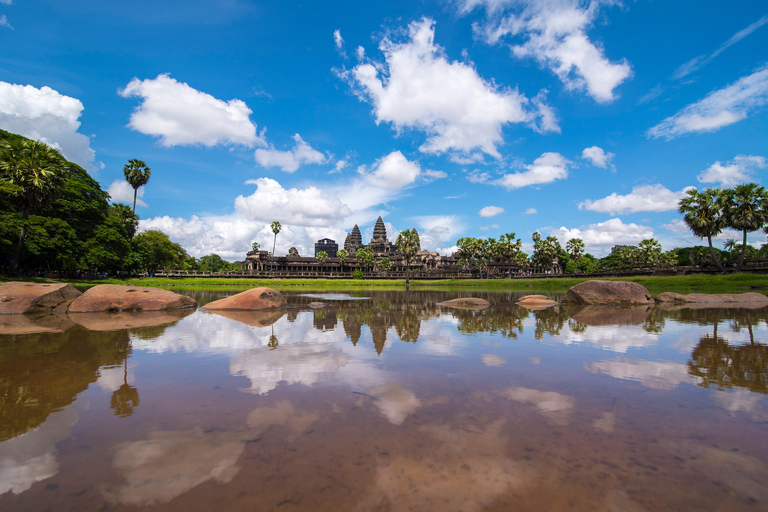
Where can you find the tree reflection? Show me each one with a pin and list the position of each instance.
(549, 321)
(126, 398)
(718, 363)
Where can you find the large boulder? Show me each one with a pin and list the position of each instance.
(115, 297)
(251, 300)
(19, 297)
(713, 298)
(465, 303)
(608, 292)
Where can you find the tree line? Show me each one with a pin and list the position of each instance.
(55, 217)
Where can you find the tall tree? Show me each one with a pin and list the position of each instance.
(31, 174)
(575, 248)
(508, 247)
(322, 257)
(126, 216)
(137, 175)
(649, 251)
(408, 245)
(365, 256)
(342, 256)
(276, 227)
(703, 213)
(746, 209)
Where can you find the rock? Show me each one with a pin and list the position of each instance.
(713, 298)
(19, 297)
(29, 324)
(536, 302)
(465, 303)
(316, 304)
(254, 318)
(115, 297)
(608, 292)
(116, 321)
(253, 299)
(609, 315)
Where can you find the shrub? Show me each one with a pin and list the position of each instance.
(357, 274)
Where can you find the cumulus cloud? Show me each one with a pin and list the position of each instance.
(739, 170)
(181, 115)
(419, 88)
(643, 198)
(677, 226)
(545, 169)
(121, 192)
(554, 33)
(48, 116)
(702, 60)
(719, 108)
(600, 237)
(436, 230)
(530, 211)
(598, 157)
(291, 160)
(491, 211)
(302, 207)
(435, 175)
(393, 172)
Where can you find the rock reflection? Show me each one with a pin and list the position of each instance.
(130, 319)
(14, 325)
(609, 315)
(252, 318)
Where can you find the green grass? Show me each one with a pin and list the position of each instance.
(733, 283)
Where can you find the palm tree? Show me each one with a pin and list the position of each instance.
(322, 257)
(703, 213)
(408, 245)
(137, 175)
(575, 248)
(255, 246)
(127, 218)
(276, 227)
(649, 251)
(31, 174)
(509, 246)
(746, 209)
(342, 256)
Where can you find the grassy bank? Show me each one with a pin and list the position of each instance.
(734, 283)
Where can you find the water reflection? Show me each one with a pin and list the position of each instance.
(391, 403)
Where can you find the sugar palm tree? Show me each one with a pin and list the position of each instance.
(342, 256)
(276, 227)
(746, 209)
(31, 174)
(575, 248)
(321, 257)
(509, 246)
(703, 213)
(137, 175)
(408, 245)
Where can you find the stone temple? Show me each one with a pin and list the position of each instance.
(379, 243)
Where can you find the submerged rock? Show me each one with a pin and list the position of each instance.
(609, 292)
(115, 297)
(20, 297)
(465, 303)
(712, 298)
(536, 302)
(253, 299)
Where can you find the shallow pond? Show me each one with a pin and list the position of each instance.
(392, 403)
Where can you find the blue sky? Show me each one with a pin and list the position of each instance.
(459, 118)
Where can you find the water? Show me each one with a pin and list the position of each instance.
(392, 403)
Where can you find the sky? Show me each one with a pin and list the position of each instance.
(577, 119)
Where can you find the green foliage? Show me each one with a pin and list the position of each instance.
(212, 263)
(137, 175)
(158, 251)
(365, 256)
(107, 250)
(385, 264)
(322, 257)
(50, 243)
(357, 274)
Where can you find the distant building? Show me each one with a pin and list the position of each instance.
(327, 245)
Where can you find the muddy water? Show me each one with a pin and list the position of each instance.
(391, 403)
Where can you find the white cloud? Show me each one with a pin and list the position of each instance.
(340, 165)
(120, 191)
(291, 160)
(719, 108)
(491, 211)
(598, 157)
(181, 115)
(477, 176)
(435, 175)
(643, 198)
(300, 207)
(702, 60)
(600, 237)
(677, 226)
(739, 170)
(48, 116)
(436, 230)
(5, 23)
(338, 40)
(419, 88)
(530, 211)
(554, 33)
(393, 172)
(545, 169)
(492, 226)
